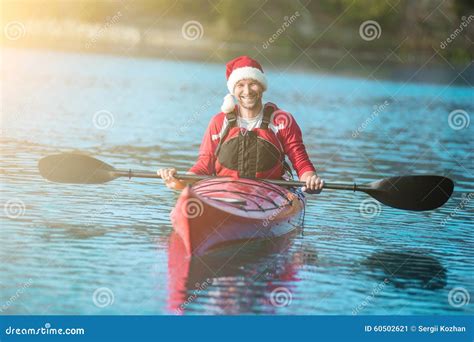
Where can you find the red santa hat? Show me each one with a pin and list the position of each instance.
(238, 69)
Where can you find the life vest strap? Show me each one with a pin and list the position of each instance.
(267, 115)
(231, 122)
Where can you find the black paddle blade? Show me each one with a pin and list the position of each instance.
(416, 193)
(75, 168)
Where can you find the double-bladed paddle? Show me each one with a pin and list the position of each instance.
(415, 192)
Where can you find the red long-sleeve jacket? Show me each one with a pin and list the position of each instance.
(282, 123)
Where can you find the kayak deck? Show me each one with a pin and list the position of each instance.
(217, 212)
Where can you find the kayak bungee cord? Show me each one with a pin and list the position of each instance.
(275, 205)
(241, 181)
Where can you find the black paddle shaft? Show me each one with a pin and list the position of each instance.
(145, 174)
(414, 192)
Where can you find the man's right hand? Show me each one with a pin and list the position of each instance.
(168, 176)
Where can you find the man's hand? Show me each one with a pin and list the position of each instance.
(168, 176)
(314, 184)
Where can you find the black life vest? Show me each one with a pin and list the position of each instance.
(257, 153)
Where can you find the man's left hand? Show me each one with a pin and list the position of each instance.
(314, 184)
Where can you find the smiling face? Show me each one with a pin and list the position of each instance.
(248, 93)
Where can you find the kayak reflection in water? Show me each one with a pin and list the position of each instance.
(234, 282)
(250, 139)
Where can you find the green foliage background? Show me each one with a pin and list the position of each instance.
(324, 24)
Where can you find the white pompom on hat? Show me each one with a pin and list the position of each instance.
(238, 69)
(228, 105)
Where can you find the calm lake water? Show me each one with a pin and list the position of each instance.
(104, 249)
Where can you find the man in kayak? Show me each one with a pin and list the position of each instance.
(250, 139)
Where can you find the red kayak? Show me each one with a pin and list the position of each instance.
(214, 213)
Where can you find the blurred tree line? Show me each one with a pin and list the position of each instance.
(323, 24)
